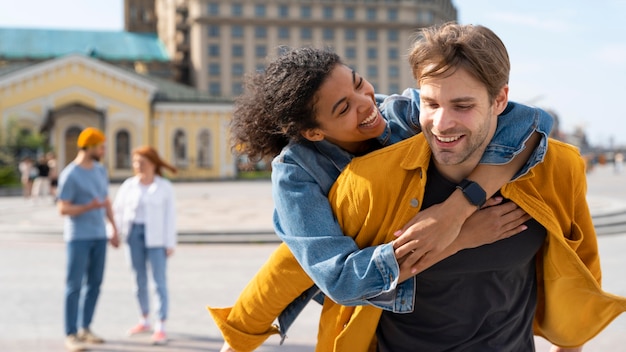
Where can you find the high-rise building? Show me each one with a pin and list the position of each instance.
(213, 43)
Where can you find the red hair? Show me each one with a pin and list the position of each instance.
(152, 155)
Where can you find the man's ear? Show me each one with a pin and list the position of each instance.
(313, 134)
(502, 99)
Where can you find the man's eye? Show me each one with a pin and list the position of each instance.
(464, 107)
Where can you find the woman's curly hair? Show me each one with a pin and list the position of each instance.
(278, 104)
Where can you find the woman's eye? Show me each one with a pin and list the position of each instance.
(344, 110)
(360, 83)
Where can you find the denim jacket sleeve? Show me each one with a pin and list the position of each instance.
(304, 220)
(515, 125)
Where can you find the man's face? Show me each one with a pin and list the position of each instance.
(458, 119)
(96, 152)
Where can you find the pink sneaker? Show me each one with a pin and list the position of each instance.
(159, 338)
(139, 329)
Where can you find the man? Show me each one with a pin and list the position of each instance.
(488, 298)
(83, 199)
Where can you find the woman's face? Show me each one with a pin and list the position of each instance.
(346, 111)
(143, 165)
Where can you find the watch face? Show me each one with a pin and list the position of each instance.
(474, 193)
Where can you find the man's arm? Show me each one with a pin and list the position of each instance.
(114, 240)
(66, 207)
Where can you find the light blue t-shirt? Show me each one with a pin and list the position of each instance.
(78, 185)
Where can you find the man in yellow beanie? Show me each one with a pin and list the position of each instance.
(83, 198)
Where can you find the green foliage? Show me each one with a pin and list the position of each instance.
(16, 142)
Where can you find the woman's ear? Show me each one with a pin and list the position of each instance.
(313, 134)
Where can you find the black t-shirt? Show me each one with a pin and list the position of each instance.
(480, 299)
(43, 169)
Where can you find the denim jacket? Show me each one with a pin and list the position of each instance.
(303, 174)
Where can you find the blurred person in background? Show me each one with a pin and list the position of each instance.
(144, 212)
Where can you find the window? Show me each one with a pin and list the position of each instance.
(393, 35)
(214, 31)
(260, 68)
(329, 34)
(394, 71)
(305, 11)
(214, 70)
(214, 50)
(372, 34)
(215, 89)
(349, 13)
(237, 31)
(328, 12)
(122, 150)
(237, 69)
(180, 148)
(370, 13)
(425, 17)
(372, 71)
(392, 14)
(260, 32)
(283, 32)
(237, 50)
(260, 51)
(283, 11)
(350, 34)
(237, 10)
(394, 53)
(213, 8)
(205, 156)
(237, 88)
(306, 33)
(372, 53)
(351, 52)
(259, 10)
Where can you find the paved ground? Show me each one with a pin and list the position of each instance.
(205, 270)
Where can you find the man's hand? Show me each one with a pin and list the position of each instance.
(115, 239)
(95, 204)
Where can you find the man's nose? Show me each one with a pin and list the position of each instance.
(442, 119)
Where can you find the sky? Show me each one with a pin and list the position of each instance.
(568, 56)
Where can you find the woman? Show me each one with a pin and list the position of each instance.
(319, 114)
(144, 213)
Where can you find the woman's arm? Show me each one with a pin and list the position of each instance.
(416, 242)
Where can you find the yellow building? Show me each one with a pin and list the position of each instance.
(63, 95)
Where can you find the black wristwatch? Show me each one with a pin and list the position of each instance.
(475, 194)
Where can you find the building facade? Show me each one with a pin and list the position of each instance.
(214, 43)
(60, 97)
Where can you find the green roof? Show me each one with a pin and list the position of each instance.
(41, 44)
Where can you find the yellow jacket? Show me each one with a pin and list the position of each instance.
(571, 306)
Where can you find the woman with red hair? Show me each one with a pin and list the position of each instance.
(145, 214)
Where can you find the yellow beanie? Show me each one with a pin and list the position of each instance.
(89, 137)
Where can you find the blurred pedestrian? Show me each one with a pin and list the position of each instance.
(618, 162)
(83, 199)
(41, 184)
(145, 214)
(54, 173)
(26, 167)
